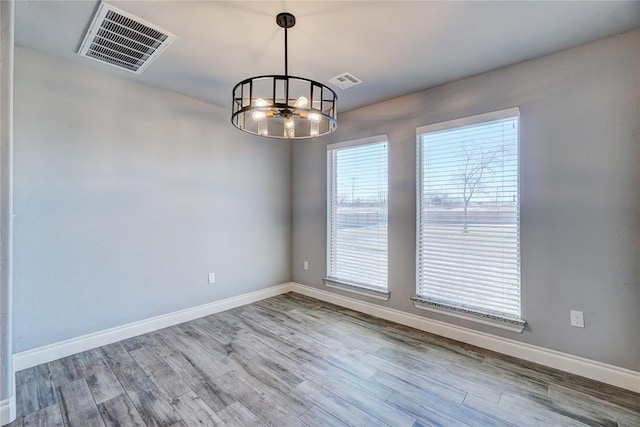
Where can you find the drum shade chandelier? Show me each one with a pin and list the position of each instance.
(284, 106)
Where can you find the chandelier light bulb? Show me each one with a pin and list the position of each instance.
(261, 115)
(314, 117)
(301, 102)
(259, 102)
(288, 123)
(258, 115)
(289, 128)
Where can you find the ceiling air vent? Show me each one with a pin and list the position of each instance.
(118, 38)
(345, 80)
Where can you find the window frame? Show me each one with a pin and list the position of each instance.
(515, 324)
(335, 282)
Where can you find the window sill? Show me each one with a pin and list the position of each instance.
(513, 325)
(357, 289)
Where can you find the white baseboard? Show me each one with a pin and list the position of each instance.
(620, 377)
(48, 353)
(7, 410)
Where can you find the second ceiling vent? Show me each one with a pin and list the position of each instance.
(345, 80)
(118, 38)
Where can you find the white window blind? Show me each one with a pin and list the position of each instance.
(357, 186)
(468, 215)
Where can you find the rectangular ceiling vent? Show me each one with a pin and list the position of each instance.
(118, 38)
(345, 80)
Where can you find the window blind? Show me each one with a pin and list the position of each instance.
(357, 213)
(468, 215)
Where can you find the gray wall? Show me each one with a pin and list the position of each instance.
(126, 196)
(580, 188)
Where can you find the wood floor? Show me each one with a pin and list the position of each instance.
(295, 361)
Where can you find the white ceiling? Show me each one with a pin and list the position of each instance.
(395, 47)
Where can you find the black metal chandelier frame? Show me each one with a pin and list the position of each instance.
(284, 106)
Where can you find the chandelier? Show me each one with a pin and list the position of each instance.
(284, 106)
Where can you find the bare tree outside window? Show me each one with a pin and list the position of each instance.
(477, 167)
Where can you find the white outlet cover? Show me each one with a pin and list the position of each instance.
(305, 265)
(212, 278)
(577, 318)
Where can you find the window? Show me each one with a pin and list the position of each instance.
(468, 218)
(357, 190)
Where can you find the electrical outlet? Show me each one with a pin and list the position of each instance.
(212, 278)
(305, 265)
(577, 319)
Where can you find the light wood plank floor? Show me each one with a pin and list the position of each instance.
(291, 361)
